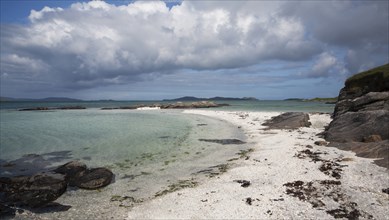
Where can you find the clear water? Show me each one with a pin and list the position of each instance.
(258, 105)
(146, 150)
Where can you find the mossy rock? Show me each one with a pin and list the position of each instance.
(373, 80)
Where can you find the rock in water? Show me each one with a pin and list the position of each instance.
(94, 178)
(33, 191)
(289, 120)
(71, 170)
(361, 116)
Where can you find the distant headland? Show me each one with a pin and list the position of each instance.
(217, 98)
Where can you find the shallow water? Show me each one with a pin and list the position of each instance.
(150, 152)
(146, 150)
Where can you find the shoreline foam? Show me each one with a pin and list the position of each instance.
(277, 165)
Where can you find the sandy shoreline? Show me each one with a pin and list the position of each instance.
(287, 179)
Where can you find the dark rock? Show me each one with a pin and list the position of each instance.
(33, 191)
(372, 138)
(289, 120)
(223, 141)
(385, 190)
(71, 170)
(354, 126)
(7, 212)
(369, 150)
(361, 116)
(94, 178)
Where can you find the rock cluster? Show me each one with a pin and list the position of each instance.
(53, 108)
(177, 105)
(288, 120)
(42, 188)
(361, 116)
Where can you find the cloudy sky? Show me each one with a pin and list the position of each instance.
(137, 50)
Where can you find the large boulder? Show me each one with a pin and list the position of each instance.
(361, 116)
(357, 126)
(33, 191)
(288, 120)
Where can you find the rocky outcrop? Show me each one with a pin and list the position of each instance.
(77, 174)
(289, 120)
(33, 191)
(53, 108)
(361, 116)
(40, 189)
(177, 105)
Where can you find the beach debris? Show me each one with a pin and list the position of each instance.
(223, 141)
(125, 201)
(328, 167)
(181, 184)
(249, 201)
(244, 183)
(214, 170)
(288, 120)
(344, 212)
(331, 168)
(317, 191)
(308, 153)
(244, 153)
(385, 190)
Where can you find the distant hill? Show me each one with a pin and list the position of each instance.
(326, 100)
(49, 99)
(217, 98)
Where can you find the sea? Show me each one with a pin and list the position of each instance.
(151, 152)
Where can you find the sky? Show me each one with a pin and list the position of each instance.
(152, 50)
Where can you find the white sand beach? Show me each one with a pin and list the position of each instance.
(280, 157)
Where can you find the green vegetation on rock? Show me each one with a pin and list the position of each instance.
(376, 79)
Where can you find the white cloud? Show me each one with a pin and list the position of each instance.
(101, 41)
(326, 65)
(95, 43)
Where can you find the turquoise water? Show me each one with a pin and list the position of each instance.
(119, 134)
(146, 150)
(260, 105)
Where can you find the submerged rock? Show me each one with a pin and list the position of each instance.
(71, 170)
(33, 191)
(223, 141)
(77, 174)
(94, 178)
(288, 120)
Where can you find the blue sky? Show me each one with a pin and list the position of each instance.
(137, 50)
